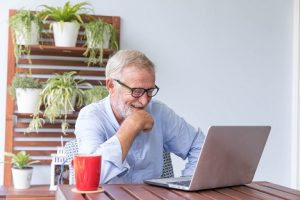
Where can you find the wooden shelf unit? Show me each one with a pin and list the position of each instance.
(46, 60)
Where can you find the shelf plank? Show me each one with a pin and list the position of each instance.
(38, 143)
(38, 152)
(61, 71)
(62, 51)
(44, 134)
(60, 62)
(29, 115)
(46, 125)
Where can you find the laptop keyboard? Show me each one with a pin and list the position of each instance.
(184, 183)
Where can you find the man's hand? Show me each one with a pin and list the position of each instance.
(141, 120)
(136, 122)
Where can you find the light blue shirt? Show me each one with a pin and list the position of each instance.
(95, 132)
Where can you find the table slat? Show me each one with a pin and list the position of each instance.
(255, 193)
(235, 194)
(275, 192)
(117, 193)
(190, 195)
(279, 187)
(216, 195)
(140, 193)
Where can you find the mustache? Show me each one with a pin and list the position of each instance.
(137, 105)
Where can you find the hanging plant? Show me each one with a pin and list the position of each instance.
(58, 97)
(99, 35)
(25, 28)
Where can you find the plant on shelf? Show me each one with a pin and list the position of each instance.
(59, 99)
(25, 28)
(21, 169)
(94, 94)
(26, 90)
(67, 20)
(99, 35)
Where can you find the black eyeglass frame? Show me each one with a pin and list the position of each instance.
(156, 88)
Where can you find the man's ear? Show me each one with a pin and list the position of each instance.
(109, 85)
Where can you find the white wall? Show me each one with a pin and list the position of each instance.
(218, 62)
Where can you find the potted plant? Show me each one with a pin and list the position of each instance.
(21, 169)
(94, 94)
(25, 28)
(99, 35)
(67, 20)
(58, 98)
(26, 90)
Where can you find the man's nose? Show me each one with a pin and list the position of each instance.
(144, 99)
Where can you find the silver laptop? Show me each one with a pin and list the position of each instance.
(229, 156)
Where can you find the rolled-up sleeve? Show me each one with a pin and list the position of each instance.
(94, 137)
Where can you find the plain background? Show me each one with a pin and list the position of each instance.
(218, 63)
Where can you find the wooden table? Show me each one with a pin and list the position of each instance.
(255, 190)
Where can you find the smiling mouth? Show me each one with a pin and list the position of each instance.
(137, 107)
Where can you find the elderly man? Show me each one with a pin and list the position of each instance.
(129, 129)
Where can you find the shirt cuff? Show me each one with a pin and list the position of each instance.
(111, 151)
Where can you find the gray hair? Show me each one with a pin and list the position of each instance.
(124, 58)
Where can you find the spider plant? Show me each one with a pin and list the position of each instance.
(25, 28)
(26, 90)
(95, 94)
(58, 95)
(24, 82)
(67, 13)
(67, 20)
(99, 35)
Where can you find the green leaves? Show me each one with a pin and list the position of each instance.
(58, 97)
(26, 81)
(97, 32)
(95, 94)
(20, 160)
(24, 17)
(67, 13)
(22, 25)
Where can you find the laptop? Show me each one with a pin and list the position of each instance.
(229, 156)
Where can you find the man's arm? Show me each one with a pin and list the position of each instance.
(136, 122)
(96, 133)
(193, 153)
(181, 138)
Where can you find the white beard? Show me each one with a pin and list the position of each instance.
(125, 110)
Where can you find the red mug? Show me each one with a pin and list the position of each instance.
(87, 170)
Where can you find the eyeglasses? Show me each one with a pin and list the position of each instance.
(138, 92)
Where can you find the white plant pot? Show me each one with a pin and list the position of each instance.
(27, 38)
(92, 44)
(65, 33)
(22, 177)
(27, 99)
